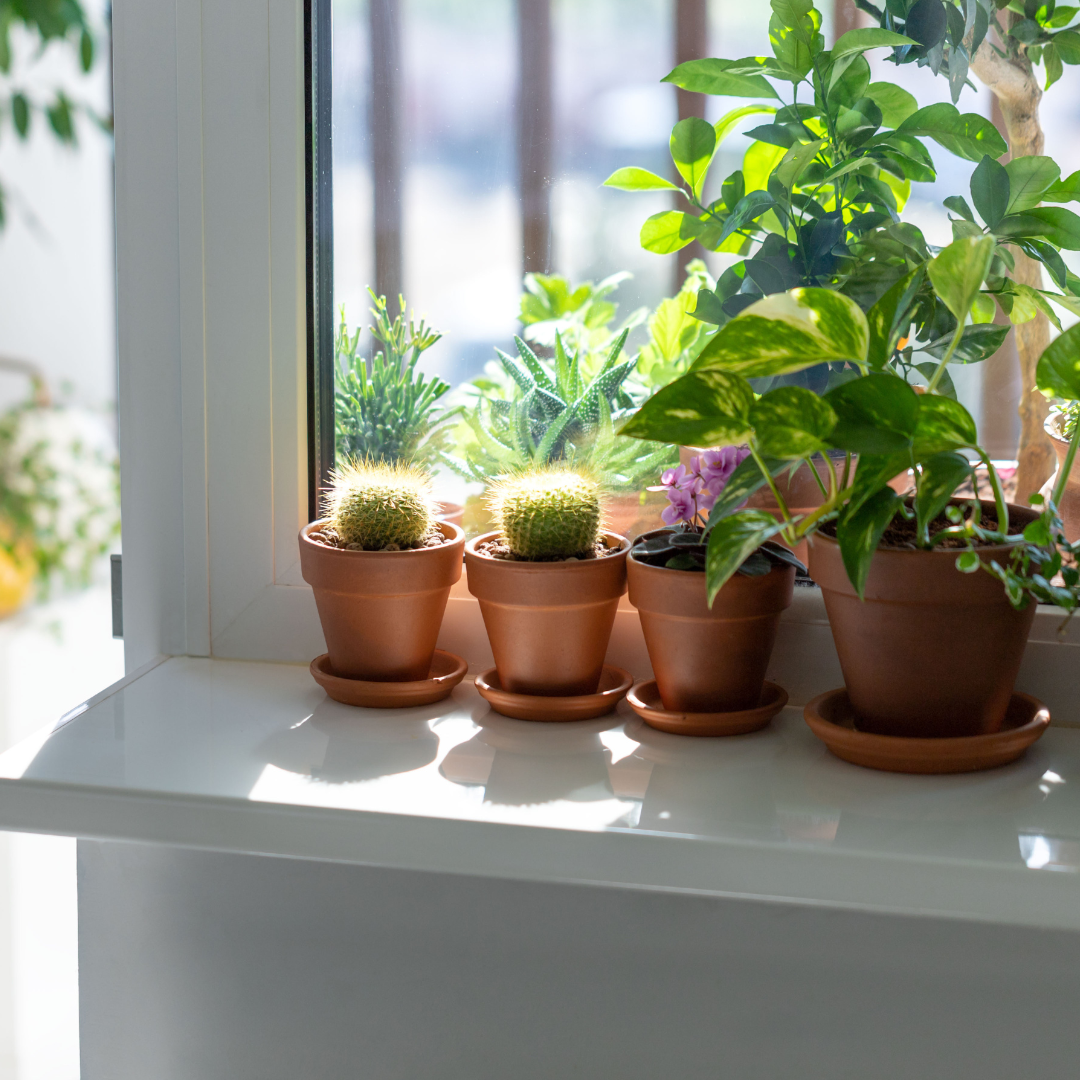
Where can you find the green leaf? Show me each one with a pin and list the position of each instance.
(957, 274)
(967, 135)
(873, 472)
(958, 205)
(857, 41)
(670, 230)
(859, 533)
(795, 161)
(731, 540)
(692, 144)
(886, 317)
(729, 121)
(86, 50)
(1056, 224)
(977, 343)
(792, 422)
(706, 408)
(1067, 190)
(941, 475)
(945, 387)
(990, 190)
(875, 415)
(1058, 371)
(787, 332)
(634, 179)
(943, 424)
(895, 103)
(1067, 44)
(20, 114)
(710, 76)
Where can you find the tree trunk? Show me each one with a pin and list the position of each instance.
(1014, 84)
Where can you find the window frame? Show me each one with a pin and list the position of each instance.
(211, 165)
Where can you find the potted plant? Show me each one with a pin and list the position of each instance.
(709, 650)
(548, 580)
(381, 566)
(823, 184)
(384, 409)
(929, 642)
(1061, 427)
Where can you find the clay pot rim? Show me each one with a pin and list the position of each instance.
(938, 553)
(455, 535)
(470, 549)
(1051, 425)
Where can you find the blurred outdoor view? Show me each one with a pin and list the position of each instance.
(59, 509)
(454, 66)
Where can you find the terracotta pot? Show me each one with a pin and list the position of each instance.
(381, 610)
(1070, 500)
(451, 512)
(708, 661)
(548, 622)
(629, 516)
(930, 652)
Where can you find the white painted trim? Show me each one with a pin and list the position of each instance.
(211, 307)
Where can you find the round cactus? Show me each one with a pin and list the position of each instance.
(548, 513)
(380, 505)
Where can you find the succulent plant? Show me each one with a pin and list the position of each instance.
(548, 513)
(384, 408)
(380, 505)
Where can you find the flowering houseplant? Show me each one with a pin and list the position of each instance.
(879, 417)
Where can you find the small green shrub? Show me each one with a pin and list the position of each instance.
(548, 513)
(380, 505)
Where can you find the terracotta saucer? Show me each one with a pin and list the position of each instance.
(614, 682)
(645, 701)
(831, 719)
(447, 670)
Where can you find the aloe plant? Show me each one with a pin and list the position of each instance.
(559, 415)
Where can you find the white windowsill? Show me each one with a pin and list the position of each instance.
(249, 757)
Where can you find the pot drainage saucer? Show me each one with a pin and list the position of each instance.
(645, 700)
(447, 670)
(831, 719)
(614, 682)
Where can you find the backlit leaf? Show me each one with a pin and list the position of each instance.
(710, 76)
(1058, 372)
(692, 144)
(634, 179)
(968, 135)
(957, 274)
(792, 422)
(706, 408)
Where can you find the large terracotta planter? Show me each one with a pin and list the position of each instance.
(381, 610)
(709, 661)
(1070, 500)
(931, 651)
(548, 622)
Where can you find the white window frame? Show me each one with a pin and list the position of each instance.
(211, 305)
(211, 288)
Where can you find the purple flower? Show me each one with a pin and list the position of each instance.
(678, 478)
(716, 466)
(682, 506)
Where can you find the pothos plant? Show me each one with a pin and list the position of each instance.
(877, 416)
(818, 199)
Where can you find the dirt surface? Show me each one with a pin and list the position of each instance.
(900, 535)
(497, 549)
(326, 537)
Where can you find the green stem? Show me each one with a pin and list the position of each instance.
(932, 385)
(785, 513)
(820, 483)
(1066, 468)
(999, 494)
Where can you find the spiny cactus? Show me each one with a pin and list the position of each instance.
(380, 505)
(548, 513)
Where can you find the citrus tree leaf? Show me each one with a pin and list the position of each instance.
(634, 179)
(967, 135)
(957, 274)
(711, 76)
(857, 41)
(990, 190)
(1058, 371)
(670, 230)
(692, 144)
(1029, 178)
(895, 103)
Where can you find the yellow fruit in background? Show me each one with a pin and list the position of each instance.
(17, 572)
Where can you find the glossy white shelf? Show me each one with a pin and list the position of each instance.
(249, 757)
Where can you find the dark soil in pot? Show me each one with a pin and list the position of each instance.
(548, 622)
(930, 652)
